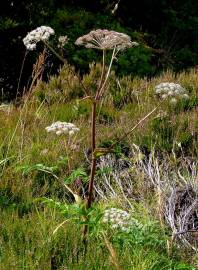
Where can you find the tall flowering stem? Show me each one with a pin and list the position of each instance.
(98, 95)
(93, 164)
(102, 40)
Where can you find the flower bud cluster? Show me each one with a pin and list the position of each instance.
(62, 40)
(171, 90)
(105, 40)
(41, 33)
(118, 219)
(62, 128)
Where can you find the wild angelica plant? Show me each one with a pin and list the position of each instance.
(103, 40)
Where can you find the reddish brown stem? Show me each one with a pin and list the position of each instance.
(91, 183)
(93, 127)
(93, 164)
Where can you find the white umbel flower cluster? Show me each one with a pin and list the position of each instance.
(41, 33)
(118, 219)
(62, 128)
(173, 91)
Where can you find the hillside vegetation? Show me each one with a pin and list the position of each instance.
(151, 174)
(166, 30)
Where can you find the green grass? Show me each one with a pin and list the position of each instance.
(28, 242)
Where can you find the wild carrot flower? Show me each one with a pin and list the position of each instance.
(106, 40)
(62, 128)
(171, 90)
(41, 33)
(118, 219)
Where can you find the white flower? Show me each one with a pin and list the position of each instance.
(172, 90)
(118, 219)
(62, 41)
(62, 128)
(71, 132)
(158, 91)
(185, 96)
(124, 229)
(41, 33)
(164, 96)
(173, 101)
(31, 47)
(170, 93)
(114, 226)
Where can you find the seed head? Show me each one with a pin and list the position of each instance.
(106, 40)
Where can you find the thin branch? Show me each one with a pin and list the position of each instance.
(140, 122)
(107, 75)
(185, 231)
(102, 74)
(20, 75)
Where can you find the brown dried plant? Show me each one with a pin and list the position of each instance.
(106, 40)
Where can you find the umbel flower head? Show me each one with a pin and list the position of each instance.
(62, 128)
(119, 219)
(171, 90)
(41, 33)
(106, 40)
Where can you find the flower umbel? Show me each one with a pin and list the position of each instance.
(105, 40)
(41, 33)
(62, 128)
(119, 219)
(171, 90)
